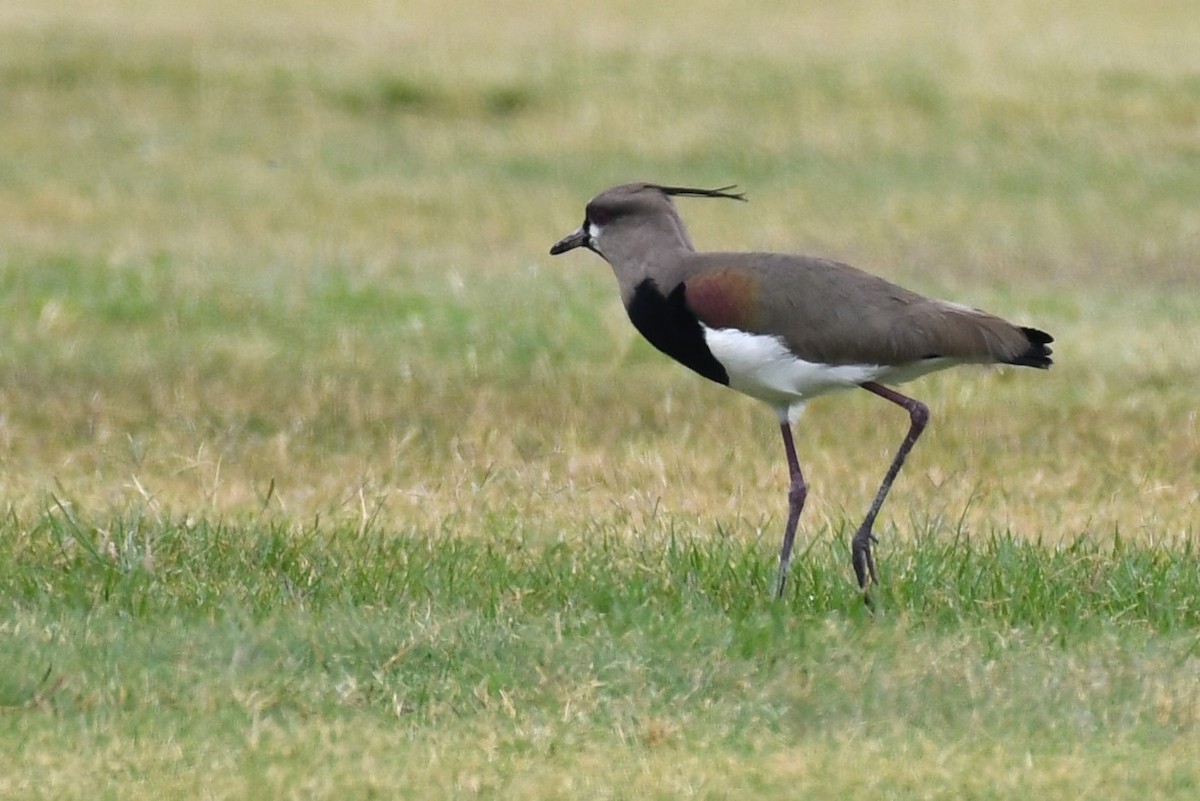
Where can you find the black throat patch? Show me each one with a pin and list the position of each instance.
(669, 325)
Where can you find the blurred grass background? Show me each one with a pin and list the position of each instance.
(277, 243)
(279, 270)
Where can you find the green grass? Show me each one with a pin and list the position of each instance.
(509, 661)
(140, 564)
(321, 479)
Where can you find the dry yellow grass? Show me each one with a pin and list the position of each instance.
(335, 224)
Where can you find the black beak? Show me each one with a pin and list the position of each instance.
(577, 238)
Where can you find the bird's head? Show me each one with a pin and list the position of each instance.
(633, 218)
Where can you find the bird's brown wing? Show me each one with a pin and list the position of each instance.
(836, 314)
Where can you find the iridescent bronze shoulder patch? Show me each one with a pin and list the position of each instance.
(725, 297)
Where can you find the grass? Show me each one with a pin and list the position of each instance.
(141, 564)
(419, 663)
(321, 479)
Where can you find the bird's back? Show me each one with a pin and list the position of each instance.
(832, 313)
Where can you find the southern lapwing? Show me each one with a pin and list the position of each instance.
(786, 328)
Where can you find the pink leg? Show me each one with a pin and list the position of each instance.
(797, 492)
(864, 560)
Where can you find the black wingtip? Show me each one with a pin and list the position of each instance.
(687, 191)
(1038, 354)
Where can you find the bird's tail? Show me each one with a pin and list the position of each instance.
(1038, 352)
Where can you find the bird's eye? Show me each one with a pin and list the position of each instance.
(599, 216)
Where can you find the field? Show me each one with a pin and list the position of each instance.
(322, 479)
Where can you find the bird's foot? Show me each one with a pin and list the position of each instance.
(864, 560)
(781, 582)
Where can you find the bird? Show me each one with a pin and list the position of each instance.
(786, 328)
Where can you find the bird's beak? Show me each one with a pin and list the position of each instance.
(577, 238)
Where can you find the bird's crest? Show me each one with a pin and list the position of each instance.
(687, 191)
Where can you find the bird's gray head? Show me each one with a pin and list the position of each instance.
(634, 217)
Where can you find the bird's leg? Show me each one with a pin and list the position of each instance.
(864, 560)
(797, 492)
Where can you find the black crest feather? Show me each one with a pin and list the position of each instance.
(687, 191)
